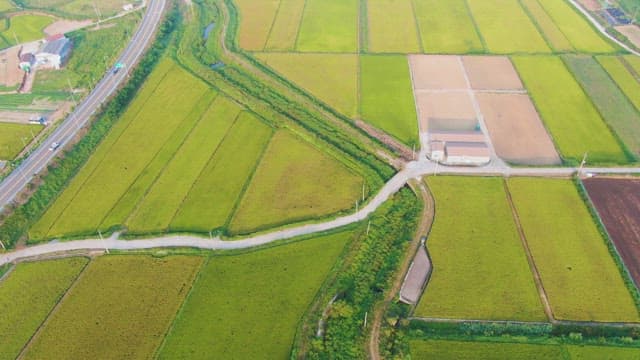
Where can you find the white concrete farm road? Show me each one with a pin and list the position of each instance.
(413, 170)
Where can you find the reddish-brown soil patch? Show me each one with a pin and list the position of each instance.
(618, 203)
(516, 130)
(65, 26)
(632, 32)
(445, 110)
(437, 72)
(591, 5)
(10, 74)
(491, 73)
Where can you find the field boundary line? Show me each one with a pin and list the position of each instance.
(176, 316)
(539, 27)
(54, 308)
(213, 154)
(6, 273)
(297, 39)
(617, 85)
(81, 186)
(243, 192)
(537, 279)
(363, 27)
(273, 22)
(525, 323)
(629, 68)
(417, 26)
(483, 42)
(170, 160)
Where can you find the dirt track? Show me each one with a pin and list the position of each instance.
(618, 203)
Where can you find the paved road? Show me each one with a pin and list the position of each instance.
(42, 156)
(413, 170)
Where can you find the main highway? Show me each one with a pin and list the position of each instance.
(40, 158)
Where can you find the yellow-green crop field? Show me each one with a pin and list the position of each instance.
(13, 138)
(120, 307)
(77, 8)
(463, 350)
(579, 275)
(623, 77)
(391, 27)
(292, 183)
(568, 113)
(480, 269)
(27, 296)
(248, 306)
(26, 27)
(191, 169)
(555, 37)
(284, 30)
(329, 26)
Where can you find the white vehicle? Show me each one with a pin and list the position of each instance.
(54, 146)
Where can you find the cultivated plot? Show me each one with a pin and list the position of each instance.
(332, 78)
(436, 72)
(491, 73)
(386, 99)
(570, 116)
(248, 306)
(284, 30)
(623, 77)
(329, 26)
(579, 276)
(256, 18)
(515, 129)
(76, 8)
(618, 204)
(295, 181)
(14, 137)
(446, 111)
(555, 37)
(480, 270)
(26, 27)
(493, 18)
(27, 296)
(610, 101)
(120, 308)
(438, 20)
(391, 27)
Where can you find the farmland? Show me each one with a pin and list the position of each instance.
(391, 27)
(618, 203)
(28, 295)
(438, 19)
(479, 266)
(581, 279)
(255, 22)
(285, 25)
(555, 37)
(448, 349)
(13, 138)
(248, 306)
(26, 28)
(567, 112)
(386, 97)
(623, 77)
(332, 78)
(610, 101)
(77, 8)
(103, 316)
(285, 187)
(5, 5)
(496, 16)
(329, 26)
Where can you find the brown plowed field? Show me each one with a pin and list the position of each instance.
(491, 73)
(10, 74)
(591, 5)
(436, 72)
(618, 203)
(516, 130)
(632, 32)
(445, 111)
(65, 26)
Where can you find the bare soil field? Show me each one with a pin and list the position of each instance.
(491, 73)
(435, 72)
(10, 74)
(65, 26)
(445, 111)
(618, 203)
(18, 117)
(591, 5)
(516, 129)
(632, 32)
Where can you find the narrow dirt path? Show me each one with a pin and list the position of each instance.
(426, 220)
(532, 265)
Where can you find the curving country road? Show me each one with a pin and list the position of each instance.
(38, 160)
(413, 170)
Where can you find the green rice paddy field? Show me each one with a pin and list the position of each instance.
(78, 8)
(579, 275)
(467, 350)
(25, 27)
(191, 170)
(243, 305)
(480, 270)
(13, 138)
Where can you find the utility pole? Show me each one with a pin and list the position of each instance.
(103, 243)
(15, 37)
(356, 206)
(1, 244)
(362, 192)
(95, 8)
(414, 152)
(584, 161)
(368, 227)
